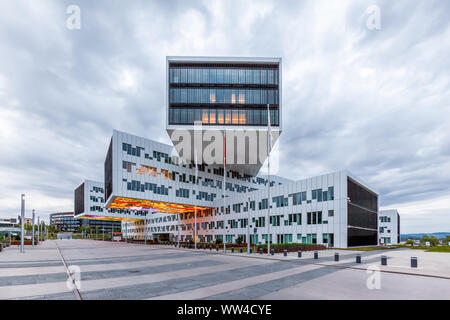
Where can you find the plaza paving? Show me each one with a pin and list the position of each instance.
(132, 271)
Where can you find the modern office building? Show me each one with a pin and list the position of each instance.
(337, 209)
(215, 109)
(207, 96)
(389, 227)
(10, 221)
(64, 221)
(9, 227)
(89, 201)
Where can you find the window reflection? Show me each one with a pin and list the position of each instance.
(221, 116)
(227, 96)
(265, 76)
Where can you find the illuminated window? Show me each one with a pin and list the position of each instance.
(166, 174)
(241, 98)
(212, 116)
(205, 116)
(228, 117)
(233, 98)
(212, 97)
(220, 117)
(242, 117)
(235, 118)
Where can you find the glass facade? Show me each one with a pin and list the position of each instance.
(223, 93)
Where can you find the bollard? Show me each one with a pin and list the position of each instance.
(240, 250)
(204, 247)
(299, 253)
(272, 252)
(232, 250)
(210, 247)
(260, 250)
(383, 260)
(336, 256)
(217, 248)
(316, 255)
(358, 258)
(285, 252)
(251, 250)
(413, 262)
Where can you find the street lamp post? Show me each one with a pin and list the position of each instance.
(248, 226)
(22, 215)
(32, 230)
(38, 230)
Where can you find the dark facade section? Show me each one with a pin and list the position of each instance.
(362, 215)
(360, 237)
(79, 200)
(108, 172)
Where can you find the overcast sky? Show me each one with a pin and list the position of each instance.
(373, 101)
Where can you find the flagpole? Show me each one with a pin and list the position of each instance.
(223, 188)
(195, 213)
(179, 217)
(268, 179)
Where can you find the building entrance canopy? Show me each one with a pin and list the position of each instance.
(152, 206)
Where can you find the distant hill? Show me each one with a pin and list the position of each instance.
(406, 236)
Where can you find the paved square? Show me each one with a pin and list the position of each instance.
(131, 271)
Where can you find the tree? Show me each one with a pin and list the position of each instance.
(446, 240)
(410, 242)
(239, 240)
(434, 241)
